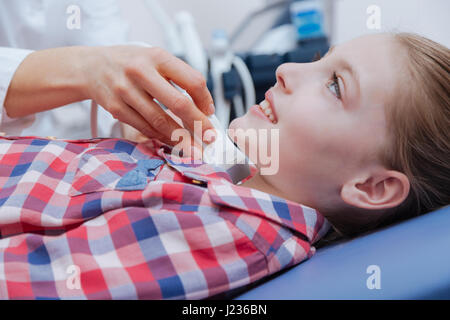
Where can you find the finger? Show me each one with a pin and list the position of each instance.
(141, 102)
(174, 117)
(128, 115)
(189, 79)
(133, 118)
(177, 102)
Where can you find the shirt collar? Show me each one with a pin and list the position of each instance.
(301, 219)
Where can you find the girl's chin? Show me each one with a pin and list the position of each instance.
(237, 123)
(247, 121)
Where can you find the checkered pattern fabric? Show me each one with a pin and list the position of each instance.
(112, 219)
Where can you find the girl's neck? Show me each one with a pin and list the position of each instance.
(259, 183)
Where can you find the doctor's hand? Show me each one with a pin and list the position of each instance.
(126, 79)
(122, 79)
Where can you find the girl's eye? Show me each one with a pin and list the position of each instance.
(333, 85)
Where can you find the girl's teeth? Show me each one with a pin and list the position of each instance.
(264, 104)
(265, 107)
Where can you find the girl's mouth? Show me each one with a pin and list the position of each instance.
(258, 111)
(266, 109)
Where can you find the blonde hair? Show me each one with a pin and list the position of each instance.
(418, 143)
(419, 127)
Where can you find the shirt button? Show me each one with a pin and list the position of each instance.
(197, 182)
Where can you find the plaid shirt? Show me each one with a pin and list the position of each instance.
(112, 219)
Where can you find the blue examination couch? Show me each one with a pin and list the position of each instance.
(413, 259)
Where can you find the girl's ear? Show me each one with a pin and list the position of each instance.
(381, 190)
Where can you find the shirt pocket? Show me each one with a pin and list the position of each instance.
(98, 169)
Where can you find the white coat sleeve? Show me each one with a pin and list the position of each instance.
(10, 59)
(102, 24)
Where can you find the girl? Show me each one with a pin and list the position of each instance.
(364, 131)
(365, 142)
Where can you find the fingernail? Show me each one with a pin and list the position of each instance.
(211, 109)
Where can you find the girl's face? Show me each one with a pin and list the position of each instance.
(331, 119)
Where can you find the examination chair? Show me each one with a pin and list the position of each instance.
(413, 259)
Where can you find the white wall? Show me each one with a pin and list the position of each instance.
(208, 15)
(427, 17)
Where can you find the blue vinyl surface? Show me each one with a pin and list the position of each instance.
(413, 259)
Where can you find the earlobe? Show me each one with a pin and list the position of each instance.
(383, 190)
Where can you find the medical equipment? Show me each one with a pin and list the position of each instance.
(189, 46)
(174, 42)
(221, 61)
(194, 53)
(307, 17)
(284, 41)
(222, 152)
(246, 80)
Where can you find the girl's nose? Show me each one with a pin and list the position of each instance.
(283, 75)
(293, 75)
